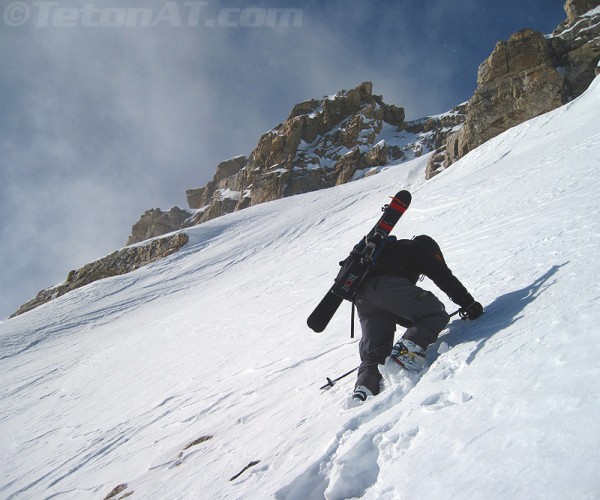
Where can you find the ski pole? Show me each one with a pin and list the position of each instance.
(455, 313)
(331, 383)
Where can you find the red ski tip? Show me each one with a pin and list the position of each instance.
(398, 205)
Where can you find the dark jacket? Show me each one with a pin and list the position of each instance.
(410, 259)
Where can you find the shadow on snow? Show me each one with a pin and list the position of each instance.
(503, 312)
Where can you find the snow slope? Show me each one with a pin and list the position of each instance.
(172, 379)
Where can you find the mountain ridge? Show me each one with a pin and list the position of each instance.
(339, 138)
(353, 134)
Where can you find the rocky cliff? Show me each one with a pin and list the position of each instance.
(527, 75)
(321, 144)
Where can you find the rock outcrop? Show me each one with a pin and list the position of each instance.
(203, 196)
(575, 45)
(518, 81)
(322, 143)
(155, 222)
(120, 262)
(434, 131)
(528, 75)
(577, 8)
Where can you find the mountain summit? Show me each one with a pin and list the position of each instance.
(323, 143)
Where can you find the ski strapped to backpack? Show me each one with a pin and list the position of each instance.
(362, 259)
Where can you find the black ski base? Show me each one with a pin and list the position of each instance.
(320, 317)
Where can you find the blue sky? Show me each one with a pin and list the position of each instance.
(100, 122)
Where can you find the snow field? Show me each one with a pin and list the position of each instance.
(112, 383)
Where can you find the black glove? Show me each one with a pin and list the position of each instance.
(473, 311)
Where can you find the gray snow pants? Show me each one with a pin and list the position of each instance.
(380, 302)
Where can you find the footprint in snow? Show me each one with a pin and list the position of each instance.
(442, 400)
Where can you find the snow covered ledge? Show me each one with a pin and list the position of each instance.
(122, 261)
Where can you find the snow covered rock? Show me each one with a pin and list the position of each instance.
(200, 197)
(308, 151)
(322, 143)
(577, 8)
(576, 45)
